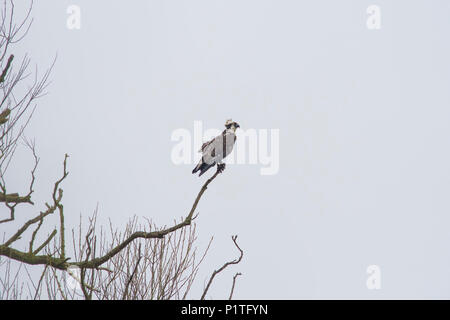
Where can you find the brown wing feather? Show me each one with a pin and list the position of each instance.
(205, 145)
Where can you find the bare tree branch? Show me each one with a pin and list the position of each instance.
(216, 272)
(110, 269)
(94, 263)
(61, 262)
(8, 64)
(125, 293)
(234, 283)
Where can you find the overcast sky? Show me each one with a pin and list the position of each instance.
(362, 115)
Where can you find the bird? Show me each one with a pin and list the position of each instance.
(215, 150)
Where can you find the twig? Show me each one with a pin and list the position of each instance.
(125, 293)
(234, 283)
(39, 283)
(235, 261)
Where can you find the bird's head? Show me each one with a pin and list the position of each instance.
(231, 125)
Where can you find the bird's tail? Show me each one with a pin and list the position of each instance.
(203, 167)
(197, 167)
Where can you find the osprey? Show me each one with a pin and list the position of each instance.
(214, 151)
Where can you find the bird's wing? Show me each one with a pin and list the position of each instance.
(205, 145)
(220, 146)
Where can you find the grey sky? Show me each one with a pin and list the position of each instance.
(363, 117)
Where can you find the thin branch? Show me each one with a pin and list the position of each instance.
(39, 283)
(235, 261)
(234, 283)
(46, 242)
(8, 64)
(125, 293)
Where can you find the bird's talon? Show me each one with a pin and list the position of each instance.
(221, 167)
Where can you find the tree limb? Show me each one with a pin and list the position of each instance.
(62, 262)
(94, 263)
(15, 198)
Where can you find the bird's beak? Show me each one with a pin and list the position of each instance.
(237, 125)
